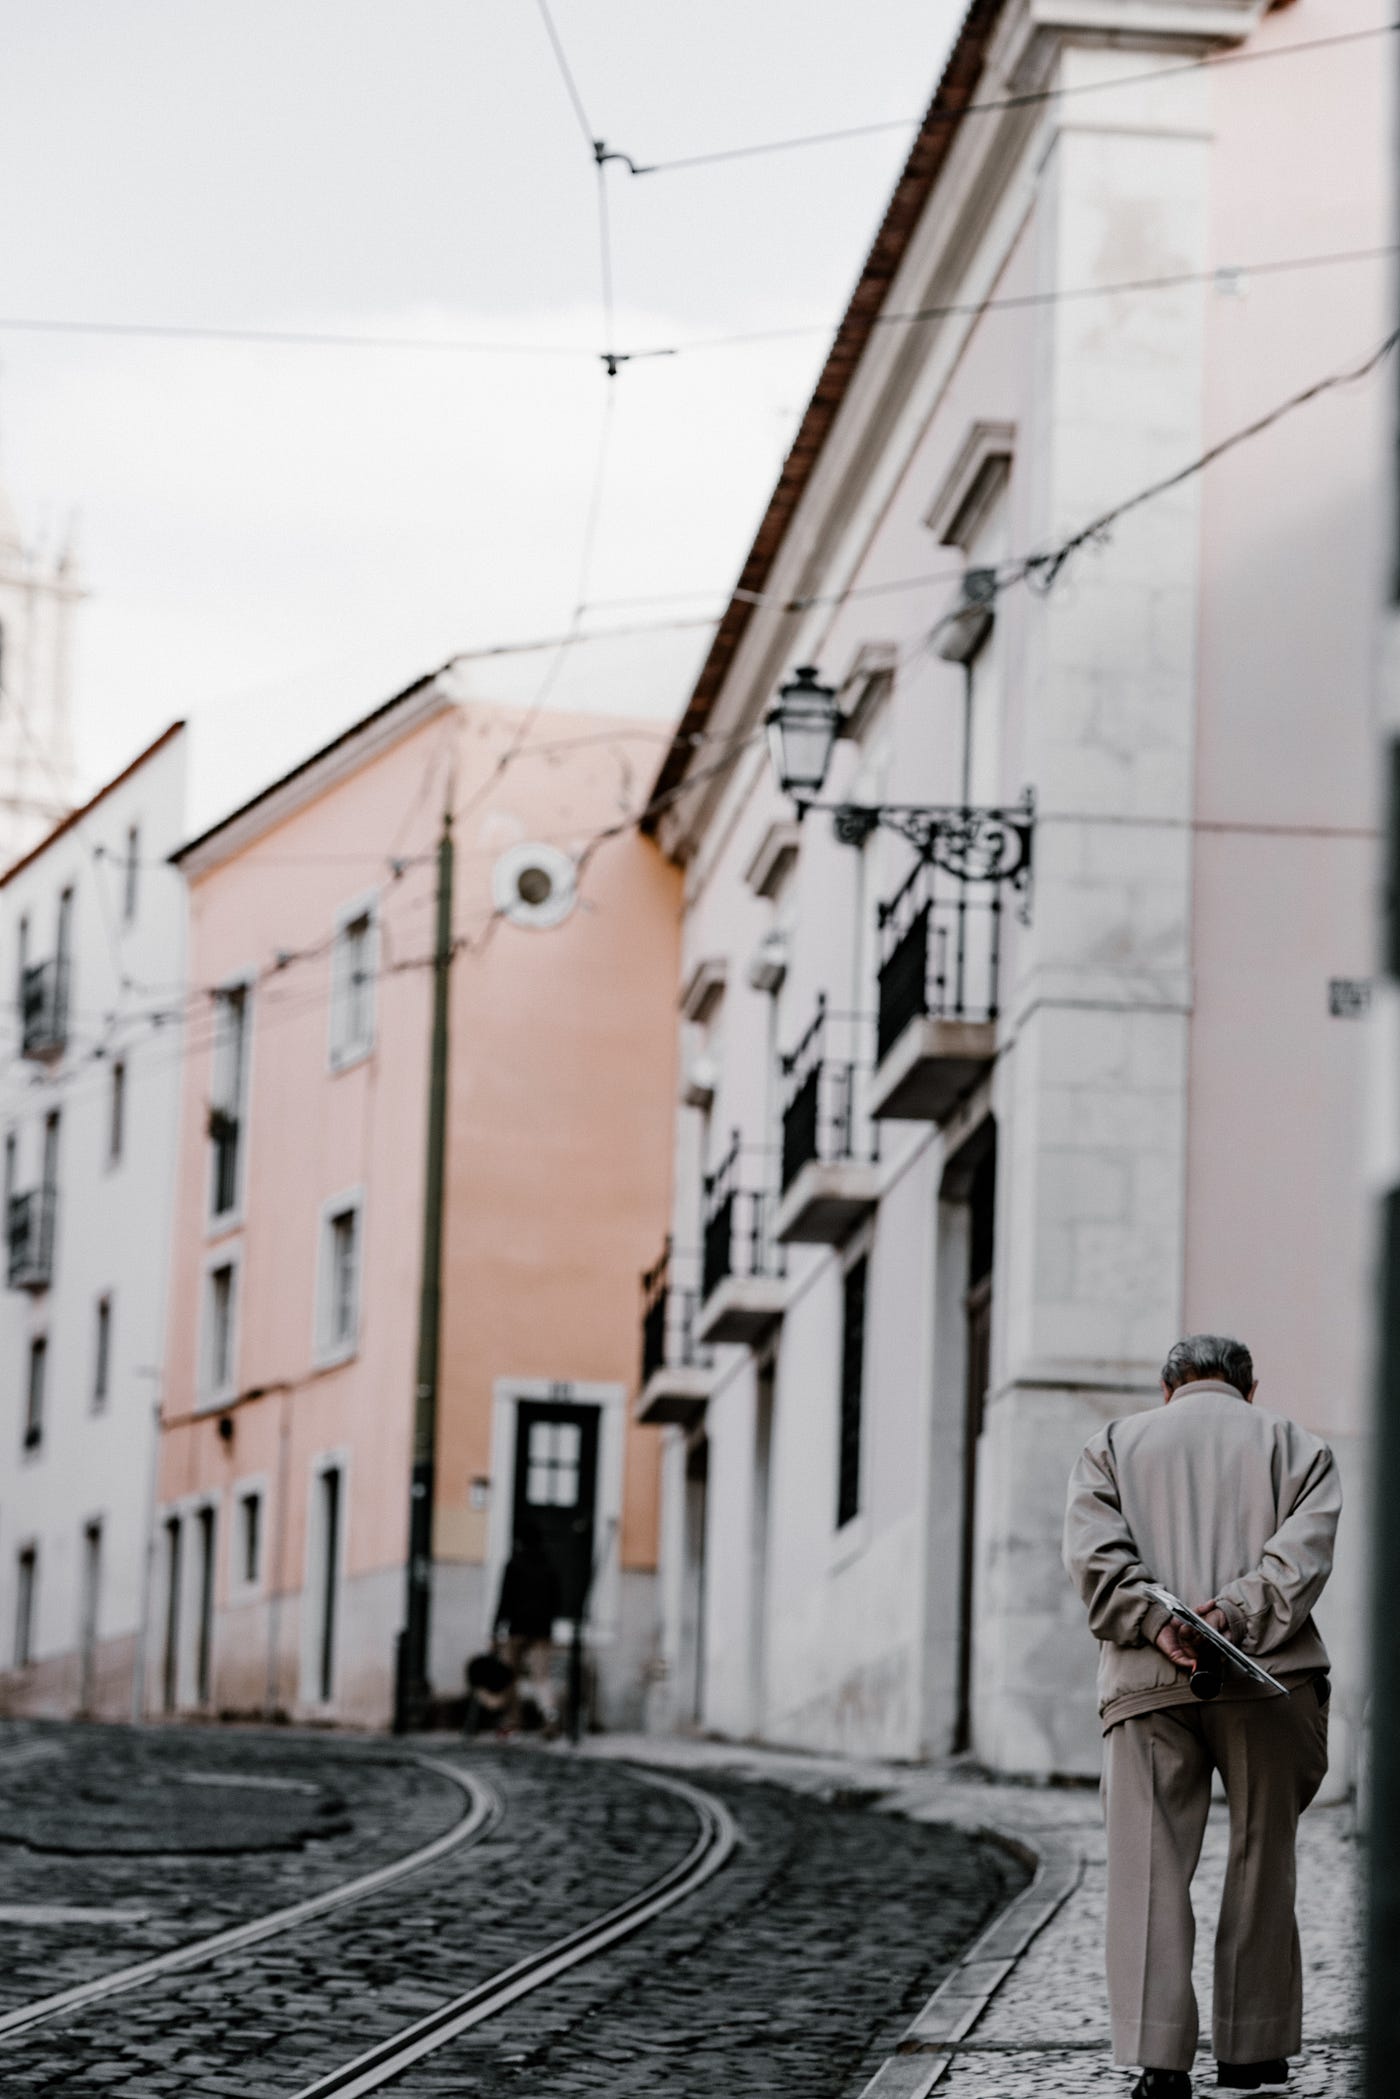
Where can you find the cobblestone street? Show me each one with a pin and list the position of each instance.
(1045, 2029)
(794, 1969)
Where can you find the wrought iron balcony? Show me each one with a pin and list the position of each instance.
(675, 1369)
(29, 1236)
(940, 959)
(742, 1285)
(43, 1008)
(829, 1177)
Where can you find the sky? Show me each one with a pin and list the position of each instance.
(275, 538)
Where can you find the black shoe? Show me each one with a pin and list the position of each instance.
(1252, 2077)
(1162, 2084)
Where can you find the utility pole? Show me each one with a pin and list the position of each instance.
(411, 1686)
(1383, 1935)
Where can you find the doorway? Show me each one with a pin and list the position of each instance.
(87, 1624)
(690, 1704)
(555, 1494)
(758, 1609)
(170, 1671)
(204, 1645)
(328, 1520)
(977, 1342)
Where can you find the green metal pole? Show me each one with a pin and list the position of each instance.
(412, 1688)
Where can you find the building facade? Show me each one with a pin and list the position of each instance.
(983, 1105)
(294, 1348)
(91, 953)
(38, 593)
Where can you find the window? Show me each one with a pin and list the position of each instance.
(250, 1538)
(116, 1113)
(102, 1353)
(131, 876)
(218, 1330)
(25, 1598)
(34, 1392)
(22, 970)
(226, 1103)
(353, 965)
(553, 1464)
(852, 1387)
(51, 1152)
(338, 1309)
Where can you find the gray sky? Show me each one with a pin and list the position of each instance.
(275, 538)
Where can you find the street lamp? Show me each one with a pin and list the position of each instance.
(803, 724)
(970, 844)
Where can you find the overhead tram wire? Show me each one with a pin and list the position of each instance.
(1236, 272)
(1040, 571)
(611, 362)
(1024, 99)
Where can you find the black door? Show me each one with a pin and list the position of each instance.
(556, 1477)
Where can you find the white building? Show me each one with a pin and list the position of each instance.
(92, 937)
(37, 594)
(916, 1264)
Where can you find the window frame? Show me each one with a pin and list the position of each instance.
(118, 1074)
(101, 1393)
(344, 1051)
(228, 1219)
(327, 1349)
(209, 1396)
(37, 1353)
(131, 864)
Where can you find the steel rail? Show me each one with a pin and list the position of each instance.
(390, 2058)
(484, 1811)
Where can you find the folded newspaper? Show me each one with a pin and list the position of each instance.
(1207, 1633)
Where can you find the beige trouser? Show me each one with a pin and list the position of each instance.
(1271, 1754)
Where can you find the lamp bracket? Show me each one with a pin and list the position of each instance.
(969, 844)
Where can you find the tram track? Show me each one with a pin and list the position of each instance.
(483, 1812)
(380, 2065)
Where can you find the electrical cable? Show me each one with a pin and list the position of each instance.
(1025, 99)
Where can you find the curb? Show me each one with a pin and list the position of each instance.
(932, 2039)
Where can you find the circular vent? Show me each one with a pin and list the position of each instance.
(533, 885)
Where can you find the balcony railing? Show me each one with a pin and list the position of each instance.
(940, 934)
(738, 1232)
(668, 1321)
(29, 1236)
(824, 1114)
(43, 1007)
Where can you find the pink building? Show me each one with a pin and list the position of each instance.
(286, 1455)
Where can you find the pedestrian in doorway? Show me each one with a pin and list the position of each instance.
(524, 1628)
(1234, 1511)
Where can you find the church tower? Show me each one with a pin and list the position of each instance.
(37, 595)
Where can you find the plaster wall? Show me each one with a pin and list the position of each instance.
(1177, 1114)
(92, 1460)
(560, 1084)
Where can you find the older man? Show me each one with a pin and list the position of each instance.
(1234, 1511)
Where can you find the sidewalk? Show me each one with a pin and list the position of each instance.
(1015, 2024)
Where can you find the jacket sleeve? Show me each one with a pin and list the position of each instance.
(1268, 1605)
(1102, 1557)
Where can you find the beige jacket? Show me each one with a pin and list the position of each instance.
(1214, 1499)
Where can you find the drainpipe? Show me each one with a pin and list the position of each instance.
(411, 1686)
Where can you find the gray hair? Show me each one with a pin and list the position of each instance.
(1209, 1355)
